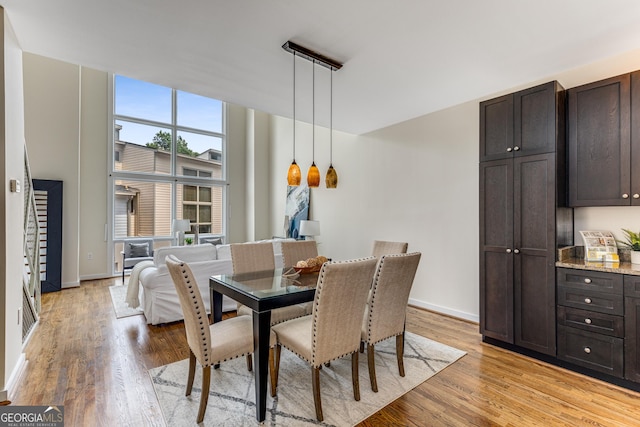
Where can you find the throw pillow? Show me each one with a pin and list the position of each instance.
(138, 250)
(213, 240)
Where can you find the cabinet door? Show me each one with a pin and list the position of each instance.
(534, 120)
(632, 328)
(599, 143)
(635, 138)
(496, 257)
(496, 128)
(534, 252)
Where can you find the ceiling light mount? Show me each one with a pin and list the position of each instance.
(312, 56)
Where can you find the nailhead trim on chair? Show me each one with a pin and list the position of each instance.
(315, 318)
(203, 344)
(373, 303)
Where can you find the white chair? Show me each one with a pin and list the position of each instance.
(333, 330)
(381, 247)
(209, 344)
(387, 307)
(300, 250)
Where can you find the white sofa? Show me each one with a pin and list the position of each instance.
(158, 296)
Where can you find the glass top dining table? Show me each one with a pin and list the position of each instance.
(261, 291)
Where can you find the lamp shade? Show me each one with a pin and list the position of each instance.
(294, 175)
(309, 228)
(332, 178)
(181, 225)
(313, 176)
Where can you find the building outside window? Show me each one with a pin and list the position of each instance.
(168, 163)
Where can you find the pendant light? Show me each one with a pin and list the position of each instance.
(332, 176)
(313, 176)
(294, 175)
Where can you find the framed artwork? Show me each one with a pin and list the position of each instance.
(297, 208)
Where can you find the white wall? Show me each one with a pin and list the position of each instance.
(94, 150)
(11, 213)
(52, 127)
(417, 181)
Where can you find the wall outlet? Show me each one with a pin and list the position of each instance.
(90, 255)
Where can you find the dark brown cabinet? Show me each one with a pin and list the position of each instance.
(521, 222)
(632, 328)
(604, 142)
(520, 124)
(591, 319)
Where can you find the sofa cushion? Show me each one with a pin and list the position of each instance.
(224, 251)
(195, 253)
(211, 240)
(138, 250)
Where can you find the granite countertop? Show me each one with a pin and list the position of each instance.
(608, 267)
(572, 257)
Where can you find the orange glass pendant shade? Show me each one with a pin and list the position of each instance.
(332, 178)
(294, 175)
(313, 176)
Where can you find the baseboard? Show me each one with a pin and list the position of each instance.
(70, 285)
(99, 276)
(14, 379)
(444, 310)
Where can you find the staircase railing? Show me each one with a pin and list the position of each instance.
(31, 277)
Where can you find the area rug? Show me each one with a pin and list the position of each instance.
(232, 398)
(118, 295)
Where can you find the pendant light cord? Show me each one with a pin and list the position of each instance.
(330, 117)
(294, 106)
(313, 112)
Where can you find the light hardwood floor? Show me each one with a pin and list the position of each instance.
(95, 365)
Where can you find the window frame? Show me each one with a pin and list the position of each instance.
(173, 178)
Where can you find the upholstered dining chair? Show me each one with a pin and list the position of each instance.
(381, 247)
(292, 252)
(209, 344)
(250, 257)
(333, 330)
(387, 307)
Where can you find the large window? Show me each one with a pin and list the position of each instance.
(167, 163)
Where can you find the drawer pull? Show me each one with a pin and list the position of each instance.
(509, 149)
(587, 350)
(587, 300)
(587, 280)
(587, 321)
(625, 196)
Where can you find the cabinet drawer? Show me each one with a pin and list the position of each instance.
(590, 280)
(601, 323)
(601, 302)
(594, 351)
(632, 286)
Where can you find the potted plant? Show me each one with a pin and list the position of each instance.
(188, 240)
(632, 241)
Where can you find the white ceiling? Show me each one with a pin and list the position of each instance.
(402, 58)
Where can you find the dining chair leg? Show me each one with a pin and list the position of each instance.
(400, 353)
(361, 346)
(276, 371)
(192, 372)
(249, 363)
(204, 397)
(354, 376)
(272, 371)
(372, 367)
(315, 380)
